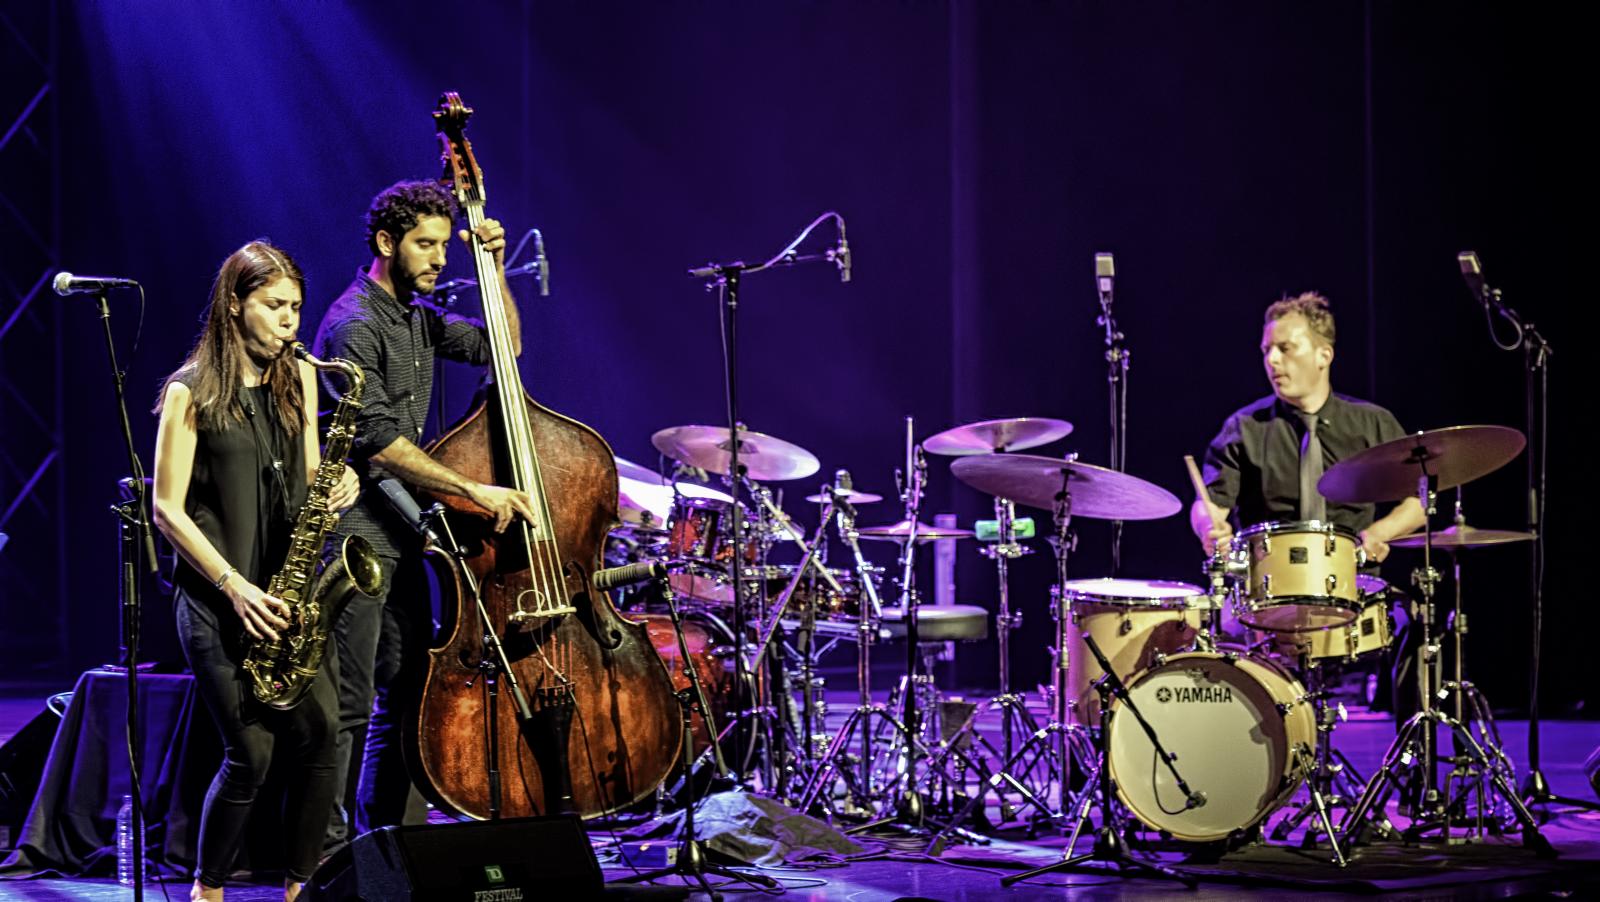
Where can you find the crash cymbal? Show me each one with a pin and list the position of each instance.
(899, 532)
(1389, 472)
(1463, 536)
(701, 492)
(643, 503)
(989, 436)
(627, 469)
(852, 496)
(763, 457)
(1097, 492)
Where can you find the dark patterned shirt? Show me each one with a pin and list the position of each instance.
(1253, 464)
(395, 344)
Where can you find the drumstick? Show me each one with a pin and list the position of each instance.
(1198, 483)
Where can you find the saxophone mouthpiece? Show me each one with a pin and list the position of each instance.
(298, 349)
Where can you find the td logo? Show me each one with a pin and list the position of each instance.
(493, 873)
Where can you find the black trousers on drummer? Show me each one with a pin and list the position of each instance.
(252, 733)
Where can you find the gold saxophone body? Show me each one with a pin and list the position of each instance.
(281, 671)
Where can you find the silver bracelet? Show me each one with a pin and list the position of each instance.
(224, 577)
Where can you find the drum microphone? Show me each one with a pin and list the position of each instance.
(1196, 800)
(1472, 272)
(840, 491)
(541, 263)
(1105, 275)
(66, 283)
(841, 255)
(626, 575)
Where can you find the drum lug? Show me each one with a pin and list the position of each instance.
(1331, 543)
(1125, 627)
(1266, 585)
(1284, 708)
(1333, 583)
(1158, 659)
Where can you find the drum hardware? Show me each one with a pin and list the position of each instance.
(1065, 487)
(1302, 576)
(1435, 460)
(1332, 781)
(906, 743)
(1109, 847)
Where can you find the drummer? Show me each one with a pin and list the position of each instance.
(1257, 469)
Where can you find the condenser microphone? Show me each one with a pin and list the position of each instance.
(841, 255)
(66, 283)
(1105, 276)
(1472, 273)
(541, 263)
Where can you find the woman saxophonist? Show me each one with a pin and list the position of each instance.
(235, 451)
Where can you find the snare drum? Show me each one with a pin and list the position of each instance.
(1132, 621)
(1302, 576)
(1233, 724)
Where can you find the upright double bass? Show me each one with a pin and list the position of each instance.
(605, 729)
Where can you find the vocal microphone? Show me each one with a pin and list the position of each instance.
(406, 507)
(1105, 274)
(541, 263)
(66, 283)
(610, 578)
(1472, 272)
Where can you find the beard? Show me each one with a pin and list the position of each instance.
(406, 280)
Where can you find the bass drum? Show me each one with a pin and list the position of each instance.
(1242, 732)
(710, 654)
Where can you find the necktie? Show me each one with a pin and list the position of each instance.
(1312, 504)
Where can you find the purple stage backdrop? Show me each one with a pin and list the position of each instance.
(981, 154)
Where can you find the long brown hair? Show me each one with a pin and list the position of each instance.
(214, 368)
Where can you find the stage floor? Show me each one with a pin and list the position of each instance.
(1492, 868)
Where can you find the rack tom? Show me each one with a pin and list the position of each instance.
(1302, 576)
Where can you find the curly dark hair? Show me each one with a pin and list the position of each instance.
(398, 207)
(1312, 306)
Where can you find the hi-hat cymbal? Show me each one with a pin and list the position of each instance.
(763, 457)
(1389, 472)
(1097, 492)
(852, 496)
(627, 469)
(1463, 536)
(900, 532)
(989, 436)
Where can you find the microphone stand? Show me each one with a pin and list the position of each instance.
(1108, 846)
(137, 552)
(726, 279)
(494, 666)
(1536, 353)
(692, 859)
(1117, 390)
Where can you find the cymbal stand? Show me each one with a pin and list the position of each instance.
(1055, 745)
(1472, 708)
(1416, 744)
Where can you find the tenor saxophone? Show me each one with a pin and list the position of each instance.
(282, 670)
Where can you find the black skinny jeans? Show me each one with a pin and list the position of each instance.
(251, 732)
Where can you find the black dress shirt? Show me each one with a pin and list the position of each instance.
(395, 344)
(1253, 465)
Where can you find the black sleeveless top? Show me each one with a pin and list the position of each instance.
(247, 485)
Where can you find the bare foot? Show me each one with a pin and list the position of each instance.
(291, 890)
